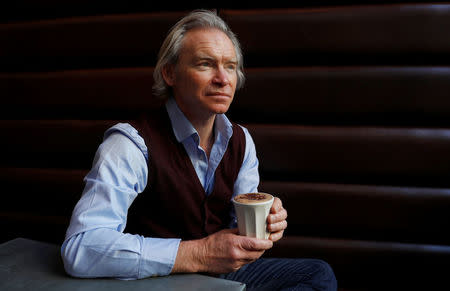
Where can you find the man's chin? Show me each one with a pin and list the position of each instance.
(220, 108)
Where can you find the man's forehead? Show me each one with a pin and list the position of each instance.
(208, 42)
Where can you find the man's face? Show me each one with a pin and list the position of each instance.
(204, 79)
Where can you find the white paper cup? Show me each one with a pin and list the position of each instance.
(252, 217)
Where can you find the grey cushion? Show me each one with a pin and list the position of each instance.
(32, 265)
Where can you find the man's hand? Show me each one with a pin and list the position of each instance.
(222, 252)
(276, 221)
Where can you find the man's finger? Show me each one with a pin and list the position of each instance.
(274, 227)
(276, 236)
(276, 206)
(277, 217)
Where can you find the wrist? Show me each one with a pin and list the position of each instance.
(189, 257)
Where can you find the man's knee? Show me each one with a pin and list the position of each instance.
(324, 277)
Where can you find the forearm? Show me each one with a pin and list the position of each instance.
(108, 253)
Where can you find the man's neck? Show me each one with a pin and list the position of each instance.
(203, 124)
(205, 130)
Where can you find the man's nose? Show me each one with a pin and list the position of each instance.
(221, 76)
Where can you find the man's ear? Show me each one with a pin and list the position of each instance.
(168, 73)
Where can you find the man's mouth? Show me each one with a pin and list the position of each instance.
(219, 94)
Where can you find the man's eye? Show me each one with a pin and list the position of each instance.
(231, 67)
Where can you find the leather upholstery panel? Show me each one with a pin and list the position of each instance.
(91, 41)
(373, 265)
(356, 155)
(364, 33)
(403, 96)
(365, 212)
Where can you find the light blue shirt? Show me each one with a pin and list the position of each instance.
(95, 245)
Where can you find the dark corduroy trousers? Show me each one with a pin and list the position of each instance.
(285, 274)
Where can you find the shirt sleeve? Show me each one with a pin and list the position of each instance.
(247, 180)
(95, 245)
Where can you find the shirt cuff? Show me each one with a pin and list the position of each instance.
(158, 256)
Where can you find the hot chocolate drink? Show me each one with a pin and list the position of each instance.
(252, 210)
(251, 198)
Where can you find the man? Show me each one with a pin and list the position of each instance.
(158, 198)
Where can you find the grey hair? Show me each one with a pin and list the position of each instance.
(170, 49)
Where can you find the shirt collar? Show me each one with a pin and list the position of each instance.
(183, 128)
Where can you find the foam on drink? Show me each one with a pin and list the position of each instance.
(251, 198)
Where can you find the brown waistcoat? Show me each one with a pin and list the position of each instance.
(174, 203)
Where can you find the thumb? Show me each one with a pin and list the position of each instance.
(255, 244)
